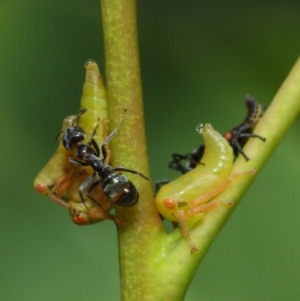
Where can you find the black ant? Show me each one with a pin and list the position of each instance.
(237, 138)
(115, 185)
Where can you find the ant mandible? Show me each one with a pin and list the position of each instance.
(115, 185)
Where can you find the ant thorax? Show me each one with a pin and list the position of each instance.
(86, 153)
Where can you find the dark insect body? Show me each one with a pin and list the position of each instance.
(116, 186)
(239, 135)
(237, 138)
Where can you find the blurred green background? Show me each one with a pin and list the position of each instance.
(198, 61)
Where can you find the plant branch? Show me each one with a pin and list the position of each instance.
(129, 146)
(156, 265)
(276, 121)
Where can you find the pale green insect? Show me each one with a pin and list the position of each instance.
(94, 98)
(57, 175)
(189, 195)
(60, 179)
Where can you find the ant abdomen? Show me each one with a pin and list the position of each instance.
(120, 190)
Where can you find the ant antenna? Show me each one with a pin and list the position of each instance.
(82, 111)
(56, 138)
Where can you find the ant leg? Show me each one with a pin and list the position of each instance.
(114, 132)
(77, 162)
(236, 144)
(192, 159)
(105, 146)
(192, 164)
(241, 133)
(93, 142)
(240, 150)
(207, 196)
(89, 191)
(115, 219)
(176, 163)
(85, 184)
(246, 131)
(252, 135)
(131, 171)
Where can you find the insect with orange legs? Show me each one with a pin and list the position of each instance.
(60, 179)
(189, 195)
(63, 180)
(64, 189)
(57, 175)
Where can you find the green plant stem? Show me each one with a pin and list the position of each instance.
(156, 265)
(129, 146)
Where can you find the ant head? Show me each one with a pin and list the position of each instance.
(73, 135)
